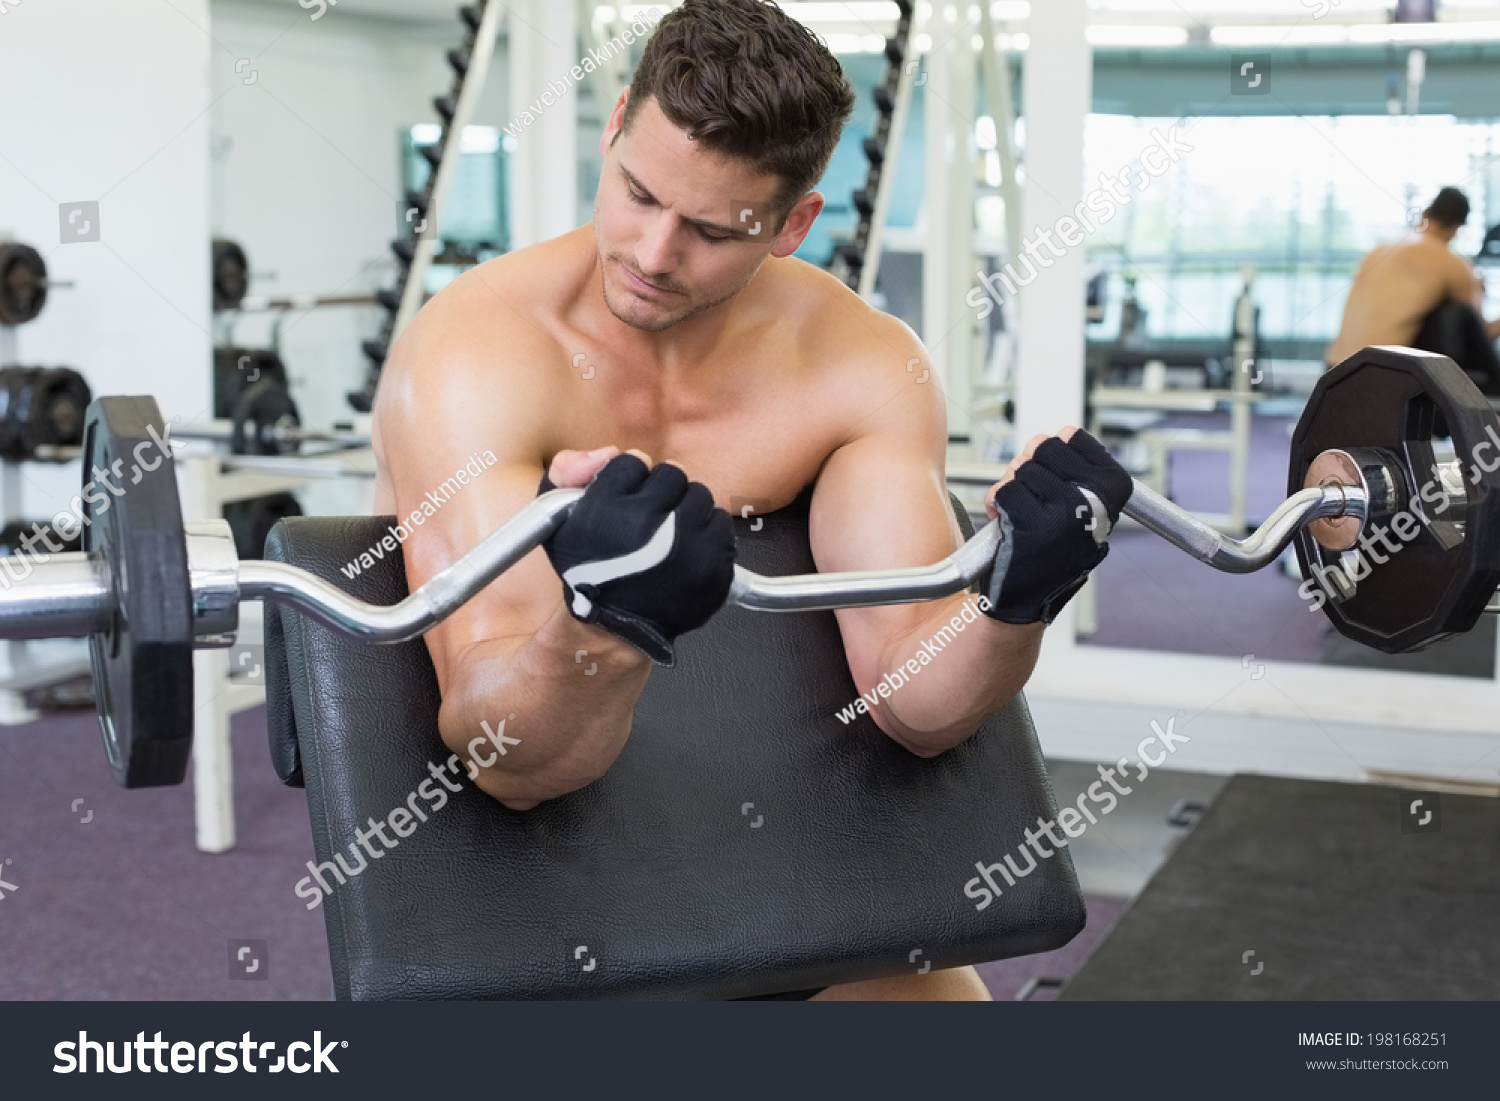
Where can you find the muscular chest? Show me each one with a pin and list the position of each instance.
(753, 443)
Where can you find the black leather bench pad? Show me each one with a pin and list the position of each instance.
(658, 870)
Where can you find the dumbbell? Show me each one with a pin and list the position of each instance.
(23, 283)
(237, 369)
(40, 407)
(231, 274)
(250, 521)
(147, 590)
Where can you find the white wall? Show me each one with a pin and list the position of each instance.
(307, 177)
(106, 100)
(306, 168)
(137, 104)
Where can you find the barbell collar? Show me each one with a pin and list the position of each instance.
(213, 576)
(1374, 470)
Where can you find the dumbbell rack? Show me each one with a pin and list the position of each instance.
(470, 64)
(20, 670)
(228, 681)
(857, 261)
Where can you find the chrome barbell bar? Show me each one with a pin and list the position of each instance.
(70, 595)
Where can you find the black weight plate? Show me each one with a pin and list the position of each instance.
(237, 368)
(252, 520)
(1438, 583)
(51, 410)
(143, 666)
(12, 533)
(262, 405)
(23, 283)
(15, 406)
(8, 375)
(231, 274)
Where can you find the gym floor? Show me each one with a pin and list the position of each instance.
(113, 901)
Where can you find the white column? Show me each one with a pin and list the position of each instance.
(1058, 87)
(948, 219)
(543, 49)
(937, 163)
(962, 342)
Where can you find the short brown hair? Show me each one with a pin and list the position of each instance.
(750, 82)
(1450, 209)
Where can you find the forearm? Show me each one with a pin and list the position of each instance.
(567, 693)
(944, 679)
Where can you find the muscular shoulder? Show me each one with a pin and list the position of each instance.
(868, 361)
(486, 346)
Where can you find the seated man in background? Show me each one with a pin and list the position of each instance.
(672, 355)
(1418, 294)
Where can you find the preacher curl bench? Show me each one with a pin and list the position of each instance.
(746, 841)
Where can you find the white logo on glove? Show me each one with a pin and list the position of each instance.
(653, 554)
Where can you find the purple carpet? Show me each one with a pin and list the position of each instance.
(1151, 596)
(122, 906)
(1007, 978)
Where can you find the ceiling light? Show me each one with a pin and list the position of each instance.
(1311, 35)
(1116, 34)
(858, 11)
(854, 43)
(1417, 33)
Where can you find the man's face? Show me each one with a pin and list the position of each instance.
(668, 223)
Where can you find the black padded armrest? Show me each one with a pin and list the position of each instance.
(747, 841)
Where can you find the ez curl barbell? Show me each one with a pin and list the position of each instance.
(147, 589)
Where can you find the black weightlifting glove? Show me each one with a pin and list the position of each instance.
(644, 555)
(1052, 536)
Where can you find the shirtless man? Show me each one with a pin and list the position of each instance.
(1416, 293)
(673, 331)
